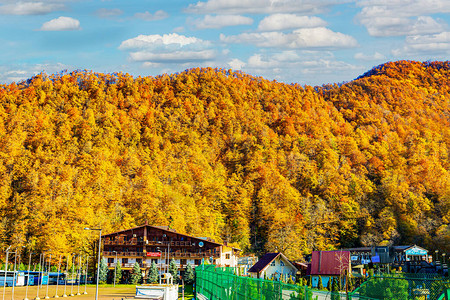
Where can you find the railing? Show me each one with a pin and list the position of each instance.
(150, 243)
(122, 242)
(147, 265)
(171, 255)
(136, 254)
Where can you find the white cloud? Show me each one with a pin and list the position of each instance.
(220, 21)
(277, 22)
(236, 64)
(30, 8)
(369, 57)
(402, 17)
(173, 57)
(319, 37)
(262, 6)
(61, 24)
(167, 48)
(431, 45)
(146, 16)
(10, 74)
(156, 40)
(313, 67)
(406, 8)
(108, 13)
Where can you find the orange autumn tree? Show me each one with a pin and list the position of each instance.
(259, 164)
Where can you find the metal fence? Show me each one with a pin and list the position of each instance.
(403, 287)
(222, 283)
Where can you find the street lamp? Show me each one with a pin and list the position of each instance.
(436, 251)
(6, 271)
(72, 269)
(48, 276)
(160, 263)
(79, 274)
(443, 260)
(86, 274)
(28, 276)
(98, 262)
(115, 269)
(57, 277)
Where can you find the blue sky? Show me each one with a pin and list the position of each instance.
(303, 41)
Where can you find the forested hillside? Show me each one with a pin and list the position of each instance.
(257, 163)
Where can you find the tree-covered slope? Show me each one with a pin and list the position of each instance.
(217, 153)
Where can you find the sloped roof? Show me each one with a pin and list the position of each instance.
(329, 262)
(264, 261)
(163, 228)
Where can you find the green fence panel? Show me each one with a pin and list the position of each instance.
(403, 286)
(222, 283)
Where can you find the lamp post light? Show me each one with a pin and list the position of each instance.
(6, 271)
(57, 277)
(436, 251)
(28, 277)
(98, 262)
(160, 263)
(40, 277)
(48, 276)
(72, 269)
(67, 276)
(14, 275)
(79, 274)
(443, 260)
(86, 274)
(115, 269)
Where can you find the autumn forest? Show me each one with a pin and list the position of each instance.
(259, 164)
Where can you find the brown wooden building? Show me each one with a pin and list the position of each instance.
(146, 244)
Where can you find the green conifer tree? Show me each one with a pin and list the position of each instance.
(118, 273)
(189, 276)
(173, 269)
(153, 274)
(329, 283)
(136, 274)
(320, 284)
(103, 272)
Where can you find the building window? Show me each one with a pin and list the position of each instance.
(183, 261)
(198, 262)
(281, 263)
(110, 260)
(227, 256)
(124, 260)
(272, 263)
(155, 261)
(139, 260)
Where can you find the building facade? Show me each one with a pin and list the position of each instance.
(273, 265)
(147, 244)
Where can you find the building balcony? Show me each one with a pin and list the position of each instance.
(126, 254)
(150, 243)
(147, 266)
(175, 255)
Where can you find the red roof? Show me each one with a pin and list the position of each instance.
(329, 262)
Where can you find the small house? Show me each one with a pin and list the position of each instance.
(273, 265)
(328, 264)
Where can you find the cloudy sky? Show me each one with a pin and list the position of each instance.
(304, 41)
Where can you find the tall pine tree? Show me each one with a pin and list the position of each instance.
(173, 269)
(153, 274)
(136, 275)
(189, 276)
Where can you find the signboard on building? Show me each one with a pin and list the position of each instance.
(416, 251)
(154, 254)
